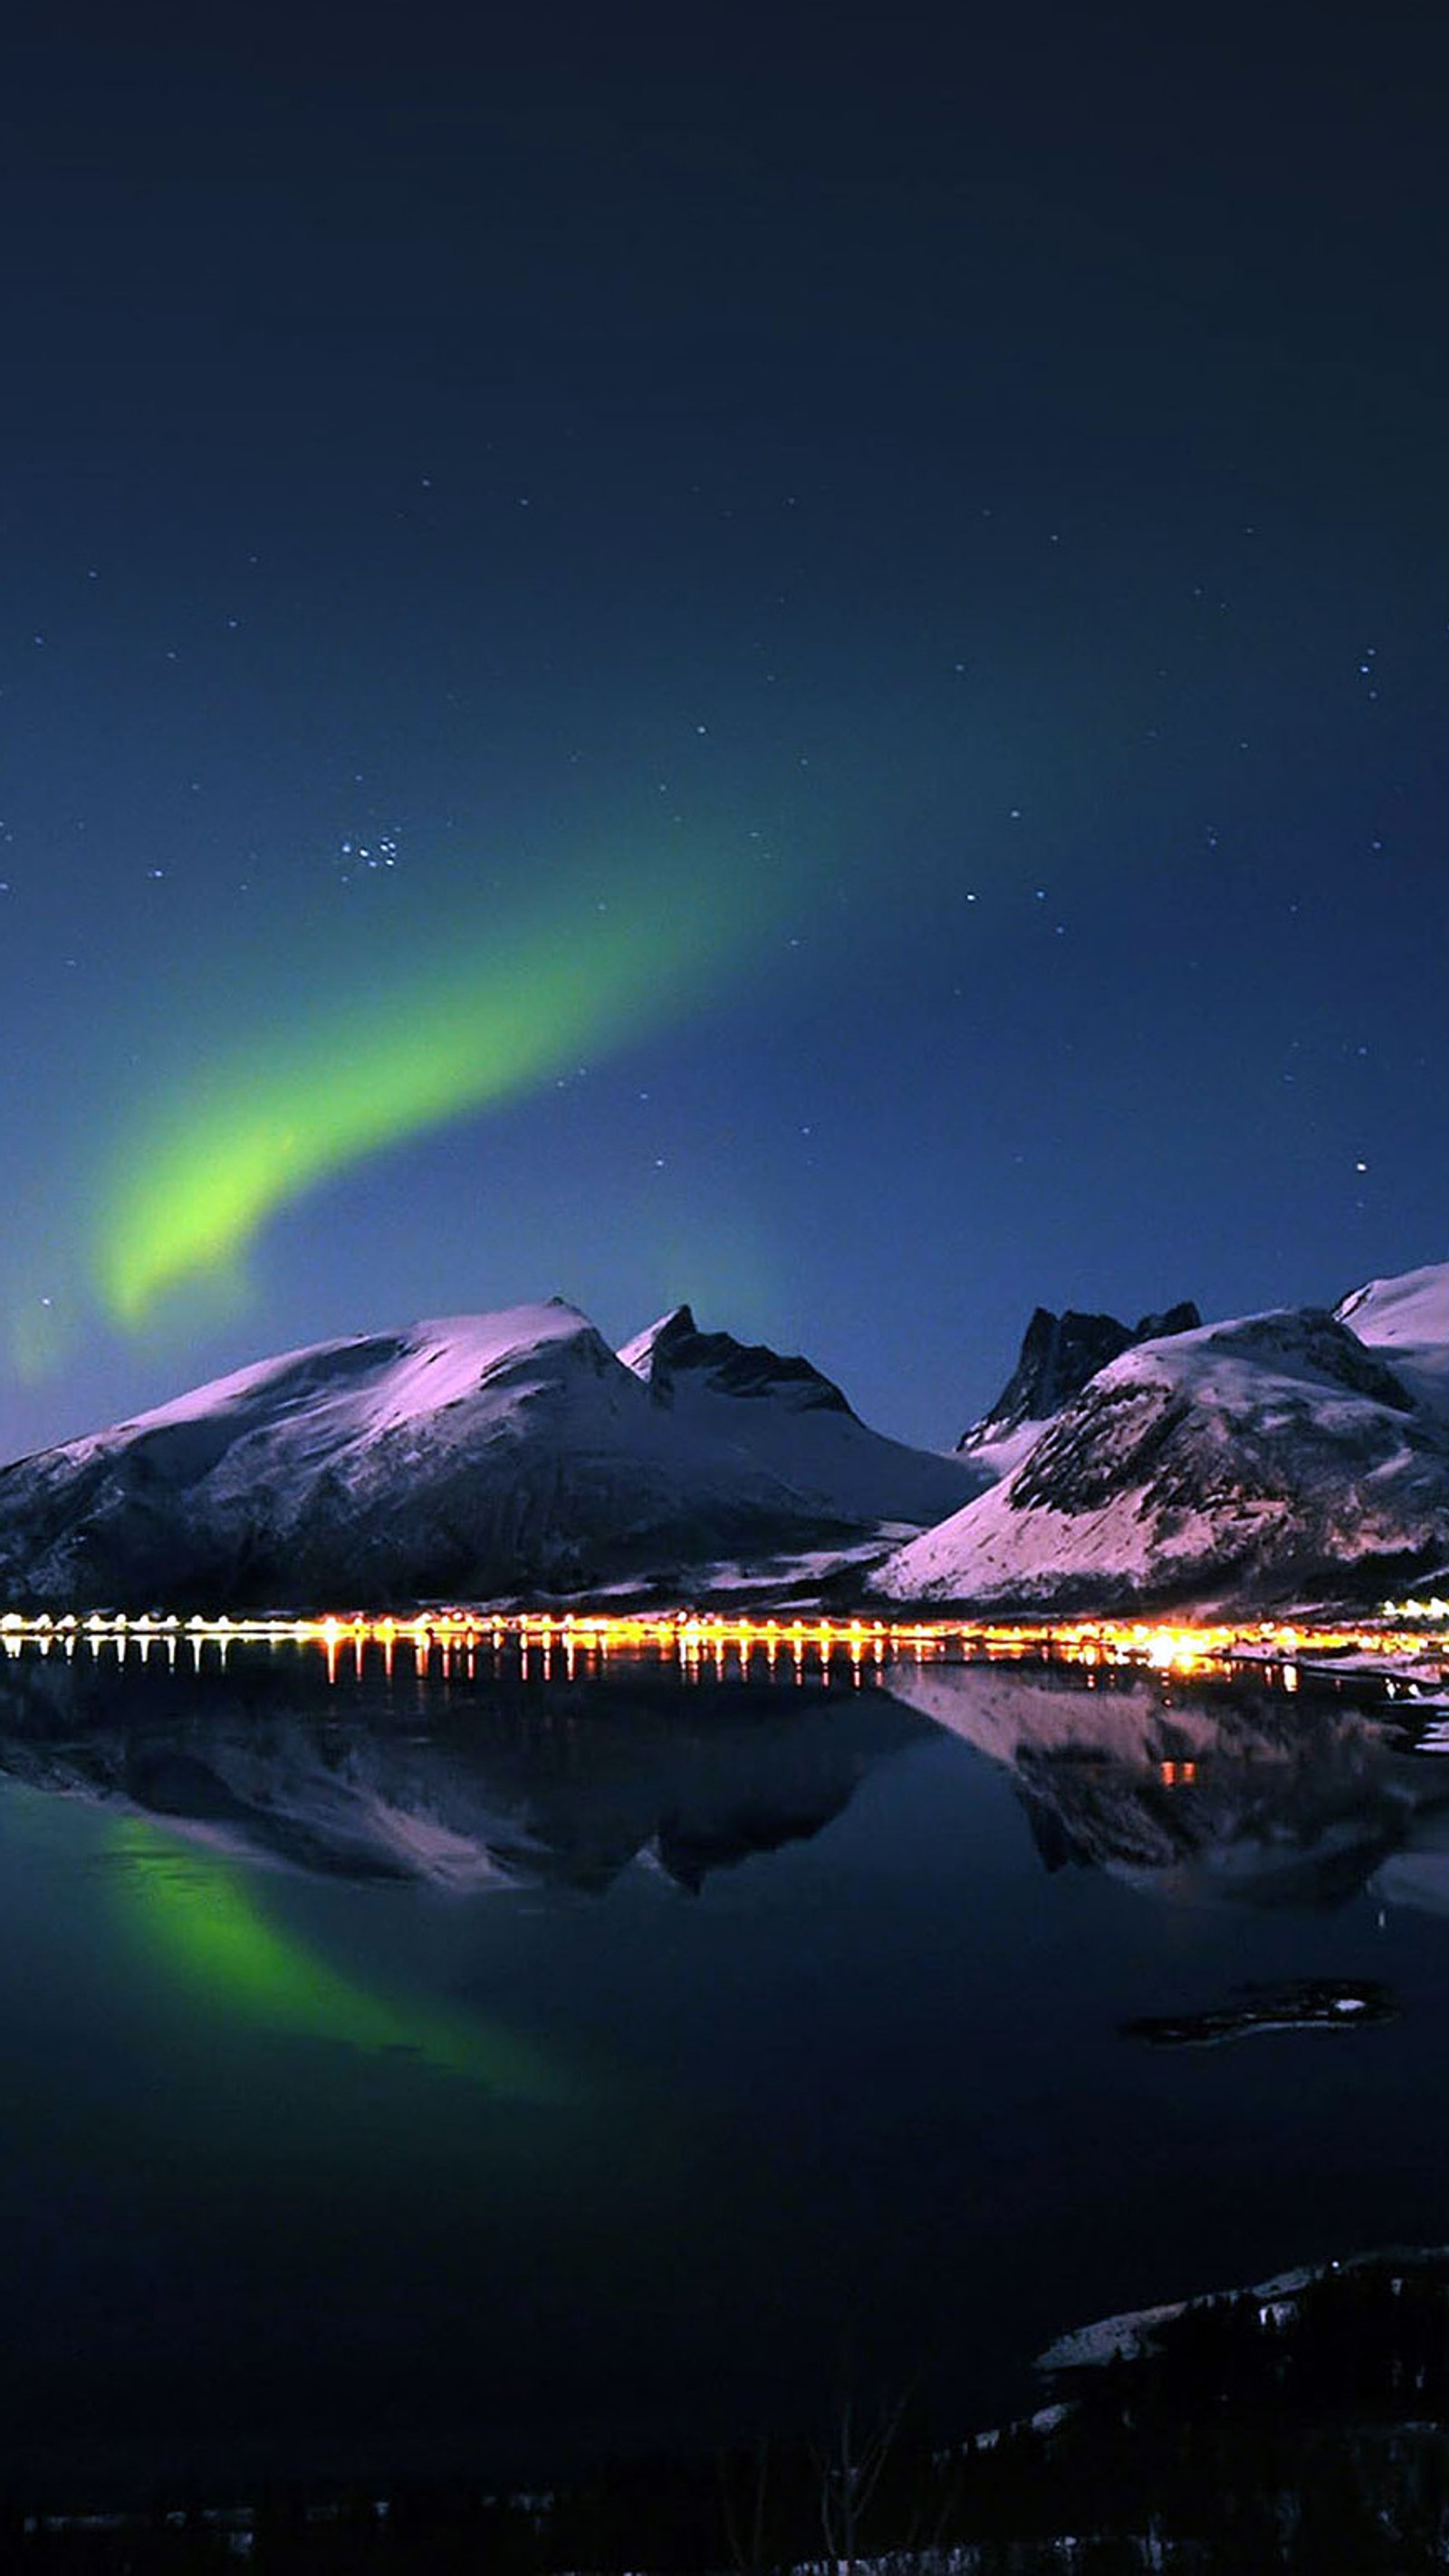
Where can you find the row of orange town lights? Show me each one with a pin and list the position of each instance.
(694, 1639)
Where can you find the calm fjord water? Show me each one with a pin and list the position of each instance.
(415, 2073)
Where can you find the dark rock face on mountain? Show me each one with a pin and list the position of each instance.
(478, 1458)
(1277, 1460)
(1059, 1355)
(786, 1414)
(675, 1350)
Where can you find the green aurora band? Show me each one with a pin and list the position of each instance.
(472, 1022)
(199, 1917)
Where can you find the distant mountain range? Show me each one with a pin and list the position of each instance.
(1289, 1458)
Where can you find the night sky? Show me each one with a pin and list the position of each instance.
(735, 655)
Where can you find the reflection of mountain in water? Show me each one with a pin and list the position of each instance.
(1200, 1791)
(1418, 1874)
(1204, 1792)
(495, 1782)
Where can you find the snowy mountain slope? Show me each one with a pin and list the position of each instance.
(784, 1413)
(1273, 1459)
(1408, 1320)
(476, 1457)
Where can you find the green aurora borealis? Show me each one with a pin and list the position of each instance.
(453, 1026)
(204, 1921)
(656, 668)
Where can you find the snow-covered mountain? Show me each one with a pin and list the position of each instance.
(479, 1457)
(1283, 1458)
(1408, 1320)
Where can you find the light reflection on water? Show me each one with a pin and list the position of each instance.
(205, 1926)
(442, 2068)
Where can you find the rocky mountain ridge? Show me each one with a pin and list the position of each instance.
(1059, 1355)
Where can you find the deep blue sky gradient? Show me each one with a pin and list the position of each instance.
(975, 488)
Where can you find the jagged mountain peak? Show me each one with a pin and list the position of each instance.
(1059, 1355)
(675, 1325)
(675, 1347)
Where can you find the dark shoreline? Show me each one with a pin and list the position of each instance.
(1300, 2423)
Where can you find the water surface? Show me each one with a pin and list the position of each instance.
(421, 2071)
